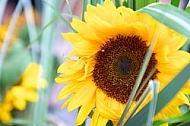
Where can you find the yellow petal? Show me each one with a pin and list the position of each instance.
(85, 109)
(31, 95)
(84, 94)
(101, 105)
(98, 120)
(69, 89)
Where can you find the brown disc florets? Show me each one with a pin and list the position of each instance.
(118, 65)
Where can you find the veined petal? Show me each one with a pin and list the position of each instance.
(85, 93)
(98, 120)
(104, 110)
(84, 111)
(70, 88)
(111, 45)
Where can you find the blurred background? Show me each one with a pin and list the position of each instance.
(31, 32)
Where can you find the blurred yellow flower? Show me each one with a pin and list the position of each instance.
(111, 45)
(5, 109)
(25, 91)
(3, 31)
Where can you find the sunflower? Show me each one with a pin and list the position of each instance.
(5, 110)
(26, 90)
(111, 45)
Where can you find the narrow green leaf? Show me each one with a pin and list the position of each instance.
(174, 18)
(145, 82)
(6, 40)
(42, 30)
(175, 2)
(131, 4)
(59, 15)
(85, 3)
(93, 2)
(163, 97)
(184, 108)
(143, 97)
(140, 76)
(154, 85)
(141, 3)
(3, 4)
(125, 3)
(188, 10)
(170, 120)
(109, 123)
(117, 3)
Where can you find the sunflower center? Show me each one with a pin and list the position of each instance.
(122, 66)
(118, 64)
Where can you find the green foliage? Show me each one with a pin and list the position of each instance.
(142, 3)
(175, 2)
(14, 65)
(172, 17)
(173, 121)
(163, 97)
(109, 123)
(187, 9)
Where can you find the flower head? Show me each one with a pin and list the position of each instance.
(5, 110)
(25, 91)
(111, 45)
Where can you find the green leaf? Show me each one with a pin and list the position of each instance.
(172, 120)
(188, 9)
(172, 17)
(141, 3)
(109, 123)
(59, 15)
(163, 97)
(14, 65)
(175, 2)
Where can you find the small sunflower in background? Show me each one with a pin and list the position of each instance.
(25, 91)
(3, 31)
(111, 45)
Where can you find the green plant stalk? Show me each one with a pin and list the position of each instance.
(58, 14)
(42, 30)
(163, 97)
(100, 1)
(69, 7)
(154, 88)
(185, 117)
(143, 97)
(32, 30)
(145, 82)
(140, 76)
(3, 4)
(117, 3)
(40, 108)
(9, 32)
(93, 2)
(131, 4)
(85, 3)
(2, 9)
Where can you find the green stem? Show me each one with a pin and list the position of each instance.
(94, 2)
(9, 32)
(85, 3)
(131, 4)
(3, 4)
(46, 61)
(117, 3)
